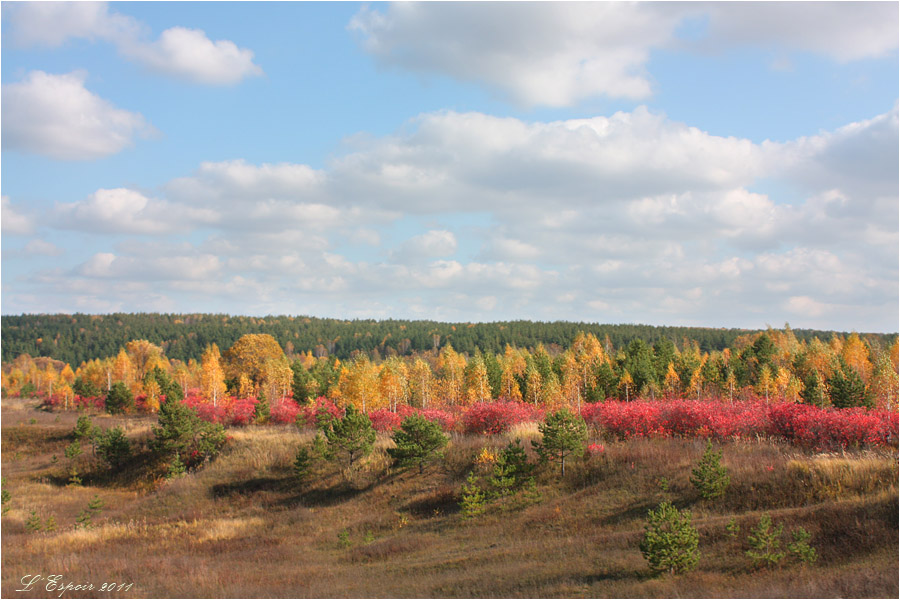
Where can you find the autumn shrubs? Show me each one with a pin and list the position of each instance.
(801, 424)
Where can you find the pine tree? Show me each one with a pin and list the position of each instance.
(562, 434)
(710, 477)
(765, 542)
(417, 440)
(119, 399)
(350, 438)
(670, 541)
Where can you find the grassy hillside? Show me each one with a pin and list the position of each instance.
(243, 527)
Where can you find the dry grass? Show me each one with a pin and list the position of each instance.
(243, 527)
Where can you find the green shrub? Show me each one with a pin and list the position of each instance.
(670, 541)
(351, 438)
(86, 517)
(302, 463)
(473, 502)
(710, 477)
(33, 523)
(800, 547)
(562, 434)
(84, 428)
(183, 435)
(119, 399)
(418, 440)
(511, 470)
(765, 543)
(5, 496)
(113, 447)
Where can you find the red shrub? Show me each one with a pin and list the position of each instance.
(385, 420)
(797, 423)
(308, 414)
(447, 420)
(242, 411)
(284, 411)
(497, 417)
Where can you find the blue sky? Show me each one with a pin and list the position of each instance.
(713, 164)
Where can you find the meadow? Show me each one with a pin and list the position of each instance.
(244, 526)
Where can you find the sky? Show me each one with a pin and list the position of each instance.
(707, 164)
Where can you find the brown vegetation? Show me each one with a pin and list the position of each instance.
(243, 526)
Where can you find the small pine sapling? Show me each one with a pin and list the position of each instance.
(176, 468)
(84, 428)
(113, 447)
(302, 463)
(670, 541)
(710, 477)
(33, 523)
(511, 469)
(800, 547)
(261, 411)
(562, 434)
(5, 496)
(765, 543)
(733, 528)
(473, 498)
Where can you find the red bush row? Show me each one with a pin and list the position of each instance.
(797, 423)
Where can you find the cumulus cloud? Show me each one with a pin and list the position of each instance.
(557, 54)
(14, 222)
(844, 31)
(188, 54)
(51, 24)
(672, 230)
(536, 53)
(429, 245)
(184, 53)
(56, 116)
(123, 210)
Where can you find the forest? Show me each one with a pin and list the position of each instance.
(77, 338)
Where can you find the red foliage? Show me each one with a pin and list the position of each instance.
(385, 420)
(497, 417)
(242, 411)
(797, 423)
(284, 410)
(307, 414)
(447, 420)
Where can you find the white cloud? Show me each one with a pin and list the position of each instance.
(179, 52)
(195, 267)
(14, 222)
(37, 247)
(56, 116)
(53, 23)
(536, 53)
(632, 217)
(844, 31)
(122, 210)
(429, 245)
(557, 54)
(188, 54)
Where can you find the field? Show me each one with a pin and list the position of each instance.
(244, 527)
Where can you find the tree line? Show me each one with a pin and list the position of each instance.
(77, 338)
(772, 365)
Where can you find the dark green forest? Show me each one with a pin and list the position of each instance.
(79, 337)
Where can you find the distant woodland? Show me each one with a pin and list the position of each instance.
(78, 338)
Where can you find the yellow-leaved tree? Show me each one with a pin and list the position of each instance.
(212, 378)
